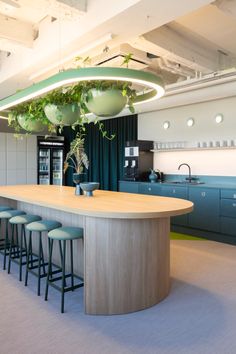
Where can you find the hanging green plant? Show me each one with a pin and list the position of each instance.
(30, 117)
(107, 98)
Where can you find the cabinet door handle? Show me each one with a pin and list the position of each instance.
(173, 191)
(234, 205)
(234, 196)
(203, 194)
(149, 188)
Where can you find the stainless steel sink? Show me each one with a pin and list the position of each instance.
(185, 182)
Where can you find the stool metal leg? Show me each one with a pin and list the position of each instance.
(29, 249)
(39, 263)
(63, 277)
(71, 265)
(50, 247)
(43, 263)
(6, 244)
(22, 235)
(10, 249)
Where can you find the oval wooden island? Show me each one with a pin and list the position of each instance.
(126, 252)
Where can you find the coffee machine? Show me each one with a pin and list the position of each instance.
(138, 160)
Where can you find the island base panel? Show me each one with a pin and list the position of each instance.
(127, 264)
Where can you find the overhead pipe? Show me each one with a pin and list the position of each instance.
(175, 68)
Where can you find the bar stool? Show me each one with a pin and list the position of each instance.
(63, 234)
(7, 215)
(39, 227)
(3, 208)
(19, 251)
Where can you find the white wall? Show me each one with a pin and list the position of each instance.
(18, 159)
(207, 162)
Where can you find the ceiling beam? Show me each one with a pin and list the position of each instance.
(227, 6)
(178, 44)
(80, 5)
(16, 31)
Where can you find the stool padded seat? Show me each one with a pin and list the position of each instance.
(24, 219)
(66, 233)
(43, 225)
(4, 207)
(7, 214)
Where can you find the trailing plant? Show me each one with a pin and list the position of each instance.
(32, 111)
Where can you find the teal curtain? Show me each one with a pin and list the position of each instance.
(106, 157)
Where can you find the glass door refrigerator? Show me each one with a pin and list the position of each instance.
(50, 160)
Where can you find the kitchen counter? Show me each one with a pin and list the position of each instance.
(205, 185)
(126, 241)
(103, 204)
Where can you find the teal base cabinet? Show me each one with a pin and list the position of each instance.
(149, 188)
(176, 192)
(214, 214)
(206, 213)
(228, 212)
(128, 187)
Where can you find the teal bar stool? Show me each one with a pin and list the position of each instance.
(17, 252)
(2, 240)
(7, 215)
(38, 227)
(63, 234)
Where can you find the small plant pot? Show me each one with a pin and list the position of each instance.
(65, 115)
(77, 179)
(105, 103)
(33, 126)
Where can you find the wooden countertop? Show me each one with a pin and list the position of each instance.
(103, 204)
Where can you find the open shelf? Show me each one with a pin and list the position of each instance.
(195, 148)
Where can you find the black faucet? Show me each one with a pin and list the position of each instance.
(189, 178)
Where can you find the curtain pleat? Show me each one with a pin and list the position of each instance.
(106, 158)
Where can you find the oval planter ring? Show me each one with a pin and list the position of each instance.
(33, 126)
(105, 103)
(62, 115)
(151, 85)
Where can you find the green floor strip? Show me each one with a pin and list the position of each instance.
(177, 236)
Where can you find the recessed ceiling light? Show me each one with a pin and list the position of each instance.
(219, 118)
(166, 125)
(190, 122)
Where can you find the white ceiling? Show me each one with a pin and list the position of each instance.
(183, 42)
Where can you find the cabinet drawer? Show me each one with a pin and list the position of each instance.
(228, 193)
(205, 215)
(149, 188)
(206, 200)
(228, 207)
(228, 226)
(129, 187)
(174, 192)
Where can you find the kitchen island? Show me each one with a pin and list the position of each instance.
(125, 255)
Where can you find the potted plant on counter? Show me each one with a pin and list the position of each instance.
(77, 159)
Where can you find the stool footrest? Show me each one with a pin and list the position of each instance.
(66, 289)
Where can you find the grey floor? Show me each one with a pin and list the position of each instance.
(199, 316)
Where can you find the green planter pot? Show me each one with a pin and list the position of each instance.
(105, 103)
(62, 115)
(33, 126)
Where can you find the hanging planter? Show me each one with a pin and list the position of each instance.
(30, 125)
(63, 115)
(105, 103)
